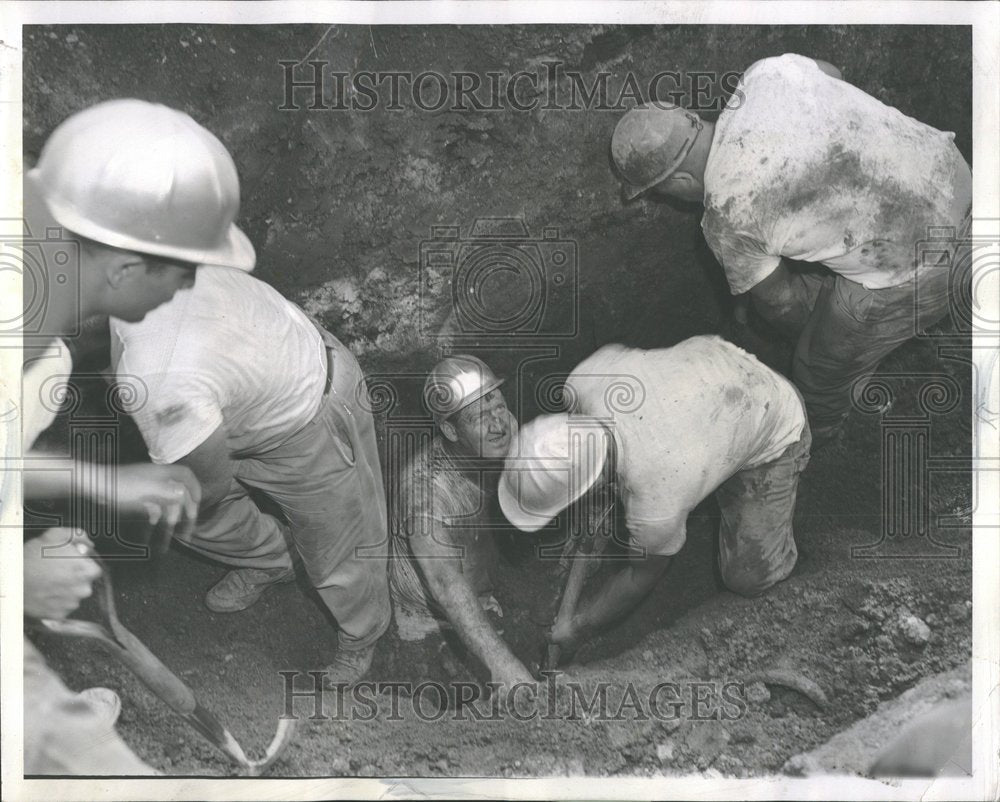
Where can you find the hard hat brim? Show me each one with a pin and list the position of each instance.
(486, 389)
(631, 191)
(512, 511)
(236, 251)
(532, 522)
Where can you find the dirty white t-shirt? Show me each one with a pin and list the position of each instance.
(809, 167)
(684, 419)
(229, 350)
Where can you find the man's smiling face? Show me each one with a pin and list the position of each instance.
(485, 428)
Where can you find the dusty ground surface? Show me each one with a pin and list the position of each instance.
(337, 207)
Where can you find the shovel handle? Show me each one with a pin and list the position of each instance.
(567, 605)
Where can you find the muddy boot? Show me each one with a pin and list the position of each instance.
(242, 587)
(348, 667)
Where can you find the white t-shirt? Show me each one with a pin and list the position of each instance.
(43, 388)
(231, 350)
(812, 168)
(684, 420)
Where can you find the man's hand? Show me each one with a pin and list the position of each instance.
(57, 575)
(168, 495)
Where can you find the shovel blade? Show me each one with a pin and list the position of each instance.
(282, 738)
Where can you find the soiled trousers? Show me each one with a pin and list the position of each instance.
(756, 542)
(845, 330)
(327, 482)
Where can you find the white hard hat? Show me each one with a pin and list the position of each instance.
(557, 458)
(146, 178)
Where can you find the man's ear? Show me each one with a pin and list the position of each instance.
(121, 268)
(683, 180)
(449, 431)
(674, 184)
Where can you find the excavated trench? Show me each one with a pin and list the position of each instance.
(696, 678)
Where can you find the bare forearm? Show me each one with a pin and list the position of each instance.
(453, 594)
(60, 477)
(214, 468)
(620, 594)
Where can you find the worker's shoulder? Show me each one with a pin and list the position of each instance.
(602, 359)
(786, 64)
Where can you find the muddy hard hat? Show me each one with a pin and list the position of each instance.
(455, 382)
(650, 142)
(146, 178)
(557, 458)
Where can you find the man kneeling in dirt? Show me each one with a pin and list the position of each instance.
(255, 397)
(699, 417)
(443, 552)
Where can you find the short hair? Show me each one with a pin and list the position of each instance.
(154, 264)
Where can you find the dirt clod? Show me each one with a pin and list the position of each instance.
(757, 693)
(665, 752)
(914, 630)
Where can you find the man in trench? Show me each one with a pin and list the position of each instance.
(665, 428)
(801, 166)
(443, 554)
(259, 400)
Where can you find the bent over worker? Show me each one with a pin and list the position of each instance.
(704, 417)
(803, 166)
(443, 552)
(254, 397)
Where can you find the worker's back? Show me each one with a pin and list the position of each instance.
(809, 167)
(684, 420)
(229, 350)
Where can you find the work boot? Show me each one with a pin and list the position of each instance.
(105, 703)
(348, 667)
(242, 587)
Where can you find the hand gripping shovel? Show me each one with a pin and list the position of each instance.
(161, 680)
(592, 546)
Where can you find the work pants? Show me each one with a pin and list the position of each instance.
(327, 482)
(844, 330)
(756, 542)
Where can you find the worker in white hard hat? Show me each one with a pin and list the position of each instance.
(803, 167)
(262, 402)
(126, 200)
(666, 428)
(443, 552)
